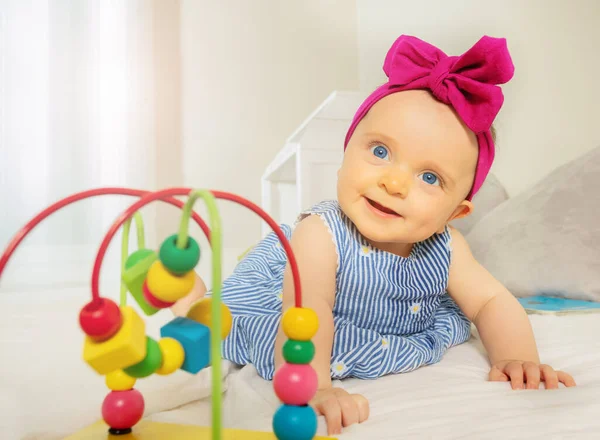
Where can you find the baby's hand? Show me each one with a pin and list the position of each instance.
(530, 373)
(183, 305)
(340, 408)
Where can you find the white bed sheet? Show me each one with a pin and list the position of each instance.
(48, 392)
(450, 400)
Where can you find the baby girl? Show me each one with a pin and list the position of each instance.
(393, 285)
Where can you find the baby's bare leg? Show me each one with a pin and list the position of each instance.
(181, 307)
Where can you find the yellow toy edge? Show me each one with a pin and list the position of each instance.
(148, 430)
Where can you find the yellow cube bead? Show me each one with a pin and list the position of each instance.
(300, 323)
(201, 312)
(125, 348)
(173, 356)
(168, 287)
(118, 380)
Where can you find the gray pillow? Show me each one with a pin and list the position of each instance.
(491, 194)
(547, 239)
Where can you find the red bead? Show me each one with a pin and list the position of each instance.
(100, 319)
(295, 384)
(123, 409)
(154, 301)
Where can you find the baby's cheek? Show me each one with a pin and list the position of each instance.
(426, 222)
(350, 185)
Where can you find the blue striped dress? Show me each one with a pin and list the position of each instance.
(391, 314)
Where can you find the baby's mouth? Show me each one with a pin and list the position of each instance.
(383, 209)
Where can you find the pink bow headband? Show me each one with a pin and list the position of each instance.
(468, 83)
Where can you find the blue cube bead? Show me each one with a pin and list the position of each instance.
(195, 339)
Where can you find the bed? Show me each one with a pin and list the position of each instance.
(450, 400)
(545, 239)
(48, 392)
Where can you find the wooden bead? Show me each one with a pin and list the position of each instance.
(123, 409)
(295, 422)
(100, 319)
(295, 384)
(298, 352)
(118, 380)
(201, 312)
(125, 348)
(134, 277)
(151, 362)
(168, 287)
(179, 261)
(300, 323)
(173, 355)
(145, 256)
(154, 301)
(195, 340)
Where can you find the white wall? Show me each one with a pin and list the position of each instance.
(251, 72)
(551, 112)
(76, 112)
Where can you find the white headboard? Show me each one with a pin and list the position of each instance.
(304, 171)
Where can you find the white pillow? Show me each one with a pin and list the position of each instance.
(47, 390)
(547, 239)
(491, 194)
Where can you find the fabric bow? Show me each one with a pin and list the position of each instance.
(469, 83)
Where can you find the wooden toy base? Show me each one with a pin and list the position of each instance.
(146, 430)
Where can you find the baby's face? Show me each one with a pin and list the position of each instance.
(407, 169)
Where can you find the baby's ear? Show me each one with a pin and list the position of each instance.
(464, 209)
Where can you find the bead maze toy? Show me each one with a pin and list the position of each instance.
(117, 347)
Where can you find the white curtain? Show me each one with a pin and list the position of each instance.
(76, 112)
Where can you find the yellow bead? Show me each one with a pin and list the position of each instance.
(201, 312)
(173, 356)
(300, 324)
(127, 347)
(168, 287)
(118, 380)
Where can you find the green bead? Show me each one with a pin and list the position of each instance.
(149, 364)
(298, 352)
(179, 261)
(134, 276)
(137, 256)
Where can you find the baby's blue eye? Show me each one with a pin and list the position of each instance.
(380, 151)
(430, 178)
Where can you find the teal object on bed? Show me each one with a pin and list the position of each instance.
(545, 303)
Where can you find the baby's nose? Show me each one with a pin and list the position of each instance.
(396, 182)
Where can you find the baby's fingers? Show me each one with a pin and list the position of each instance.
(514, 370)
(496, 375)
(549, 376)
(363, 407)
(566, 378)
(532, 375)
(350, 414)
(330, 408)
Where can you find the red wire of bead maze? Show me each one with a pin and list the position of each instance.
(146, 198)
(29, 226)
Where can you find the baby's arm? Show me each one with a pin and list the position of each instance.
(501, 321)
(316, 257)
(317, 263)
